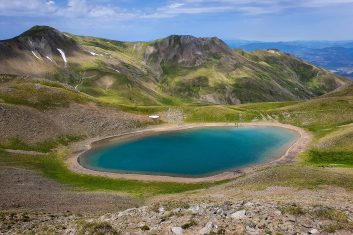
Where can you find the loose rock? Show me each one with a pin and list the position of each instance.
(177, 230)
(238, 214)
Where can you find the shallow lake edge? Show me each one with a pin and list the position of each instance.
(81, 148)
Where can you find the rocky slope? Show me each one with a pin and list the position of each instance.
(186, 51)
(176, 69)
(42, 47)
(35, 110)
(222, 210)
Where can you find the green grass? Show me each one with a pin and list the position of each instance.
(328, 158)
(53, 167)
(329, 213)
(296, 175)
(293, 210)
(40, 94)
(266, 106)
(97, 228)
(338, 220)
(216, 113)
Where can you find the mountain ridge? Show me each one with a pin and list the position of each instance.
(178, 68)
(335, 56)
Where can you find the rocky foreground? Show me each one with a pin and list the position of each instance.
(230, 217)
(32, 204)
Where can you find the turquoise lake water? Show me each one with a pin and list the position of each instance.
(193, 152)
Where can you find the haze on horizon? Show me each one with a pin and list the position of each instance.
(140, 20)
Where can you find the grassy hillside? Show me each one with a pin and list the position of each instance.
(40, 93)
(247, 77)
(171, 71)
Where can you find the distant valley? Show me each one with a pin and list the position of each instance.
(336, 56)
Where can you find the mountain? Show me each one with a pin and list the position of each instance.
(173, 70)
(336, 56)
(187, 51)
(41, 47)
(337, 59)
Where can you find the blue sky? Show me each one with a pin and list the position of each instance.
(132, 20)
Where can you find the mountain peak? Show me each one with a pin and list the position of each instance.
(45, 40)
(40, 46)
(185, 39)
(39, 30)
(186, 50)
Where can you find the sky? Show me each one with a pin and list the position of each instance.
(143, 20)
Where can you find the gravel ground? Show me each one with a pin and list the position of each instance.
(23, 190)
(32, 204)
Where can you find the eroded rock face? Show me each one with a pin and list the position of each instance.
(185, 50)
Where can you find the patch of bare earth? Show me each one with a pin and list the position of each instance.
(24, 190)
(78, 119)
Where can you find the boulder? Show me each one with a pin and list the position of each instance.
(238, 214)
(207, 229)
(177, 230)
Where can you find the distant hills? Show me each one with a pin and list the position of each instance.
(336, 56)
(179, 69)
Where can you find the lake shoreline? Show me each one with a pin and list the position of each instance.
(80, 148)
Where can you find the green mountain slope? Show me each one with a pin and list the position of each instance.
(173, 70)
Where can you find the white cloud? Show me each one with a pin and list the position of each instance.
(73, 9)
(247, 7)
(29, 7)
(50, 3)
(104, 10)
(175, 5)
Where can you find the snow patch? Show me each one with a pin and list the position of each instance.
(63, 55)
(49, 59)
(36, 56)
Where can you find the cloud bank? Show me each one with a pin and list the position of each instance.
(118, 11)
